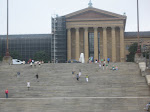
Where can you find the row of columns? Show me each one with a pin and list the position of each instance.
(86, 44)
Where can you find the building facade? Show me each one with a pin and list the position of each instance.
(59, 40)
(104, 29)
(94, 32)
(27, 45)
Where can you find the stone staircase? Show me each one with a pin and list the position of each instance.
(57, 89)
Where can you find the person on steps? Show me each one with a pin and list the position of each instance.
(87, 78)
(6, 92)
(77, 77)
(28, 85)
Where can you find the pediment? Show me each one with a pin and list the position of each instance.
(90, 15)
(93, 13)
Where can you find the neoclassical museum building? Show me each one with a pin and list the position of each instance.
(94, 32)
(97, 33)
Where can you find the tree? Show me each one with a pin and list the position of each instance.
(15, 55)
(41, 56)
(132, 50)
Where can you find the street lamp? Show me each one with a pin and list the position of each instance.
(138, 36)
(7, 51)
(7, 58)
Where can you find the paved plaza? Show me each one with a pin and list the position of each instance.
(57, 89)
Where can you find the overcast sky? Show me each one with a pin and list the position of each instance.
(34, 16)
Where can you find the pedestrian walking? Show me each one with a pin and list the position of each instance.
(106, 66)
(77, 77)
(147, 108)
(103, 66)
(32, 61)
(37, 76)
(39, 64)
(18, 74)
(35, 63)
(72, 72)
(87, 78)
(108, 59)
(113, 68)
(100, 65)
(80, 74)
(31, 64)
(102, 60)
(28, 85)
(6, 92)
(96, 61)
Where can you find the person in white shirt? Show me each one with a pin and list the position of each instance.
(100, 65)
(79, 73)
(87, 78)
(95, 61)
(147, 107)
(28, 85)
(31, 64)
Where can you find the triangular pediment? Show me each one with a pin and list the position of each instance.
(93, 13)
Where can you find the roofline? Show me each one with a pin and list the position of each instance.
(94, 9)
(24, 34)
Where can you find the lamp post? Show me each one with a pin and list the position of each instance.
(138, 36)
(7, 58)
(7, 51)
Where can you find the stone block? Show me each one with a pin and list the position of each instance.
(142, 66)
(148, 79)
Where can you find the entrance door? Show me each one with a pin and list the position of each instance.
(91, 45)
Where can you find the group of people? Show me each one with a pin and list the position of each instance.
(36, 63)
(79, 75)
(102, 63)
(28, 83)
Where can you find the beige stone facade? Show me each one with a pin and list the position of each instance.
(131, 37)
(110, 28)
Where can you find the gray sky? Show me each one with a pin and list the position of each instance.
(34, 16)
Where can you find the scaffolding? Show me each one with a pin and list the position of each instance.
(59, 40)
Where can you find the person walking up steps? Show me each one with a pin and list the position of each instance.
(77, 77)
(100, 65)
(103, 66)
(147, 108)
(106, 66)
(108, 59)
(6, 92)
(18, 74)
(87, 78)
(37, 76)
(28, 85)
(79, 72)
(102, 60)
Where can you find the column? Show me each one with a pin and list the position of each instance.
(86, 45)
(113, 44)
(105, 43)
(122, 58)
(77, 44)
(69, 44)
(95, 44)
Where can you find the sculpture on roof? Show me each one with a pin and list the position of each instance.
(90, 3)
